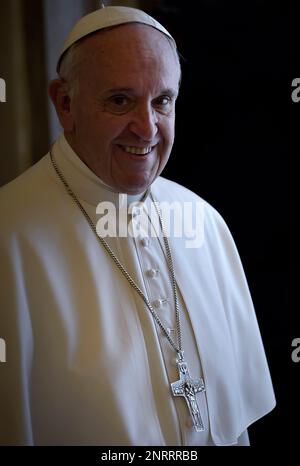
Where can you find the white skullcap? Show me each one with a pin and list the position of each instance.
(107, 17)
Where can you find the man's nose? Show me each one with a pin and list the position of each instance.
(144, 122)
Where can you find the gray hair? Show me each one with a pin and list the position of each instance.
(68, 69)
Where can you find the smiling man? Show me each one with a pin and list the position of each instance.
(114, 340)
(120, 120)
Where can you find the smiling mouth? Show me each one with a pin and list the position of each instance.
(137, 150)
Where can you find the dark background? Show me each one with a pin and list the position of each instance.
(236, 139)
(235, 121)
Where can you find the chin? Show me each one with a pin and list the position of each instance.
(136, 188)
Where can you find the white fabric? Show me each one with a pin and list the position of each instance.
(85, 361)
(108, 17)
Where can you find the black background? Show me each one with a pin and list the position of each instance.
(236, 136)
(235, 123)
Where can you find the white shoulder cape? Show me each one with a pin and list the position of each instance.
(42, 240)
(211, 278)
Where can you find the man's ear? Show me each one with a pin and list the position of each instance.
(58, 91)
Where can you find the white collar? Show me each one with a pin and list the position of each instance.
(85, 183)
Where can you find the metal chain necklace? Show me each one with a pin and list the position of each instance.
(185, 386)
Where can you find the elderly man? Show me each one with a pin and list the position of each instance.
(121, 339)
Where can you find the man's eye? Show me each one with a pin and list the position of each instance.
(163, 100)
(118, 104)
(164, 103)
(166, 100)
(119, 100)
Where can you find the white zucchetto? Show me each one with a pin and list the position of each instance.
(105, 18)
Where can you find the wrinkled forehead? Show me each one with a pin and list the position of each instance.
(117, 41)
(132, 38)
(129, 48)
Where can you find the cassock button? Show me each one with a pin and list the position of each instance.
(136, 224)
(158, 303)
(145, 242)
(152, 273)
(136, 211)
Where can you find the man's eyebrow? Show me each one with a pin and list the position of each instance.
(119, 89)
(170, 91)
(115, 90)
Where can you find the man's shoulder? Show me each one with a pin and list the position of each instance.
(170, 191)
(24, 194)
(25, 184)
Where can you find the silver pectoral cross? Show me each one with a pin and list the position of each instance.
(188, 388)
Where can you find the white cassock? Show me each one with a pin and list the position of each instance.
(85, 362)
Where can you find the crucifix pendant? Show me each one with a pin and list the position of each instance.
(188, 388)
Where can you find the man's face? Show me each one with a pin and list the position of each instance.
(124, 111)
